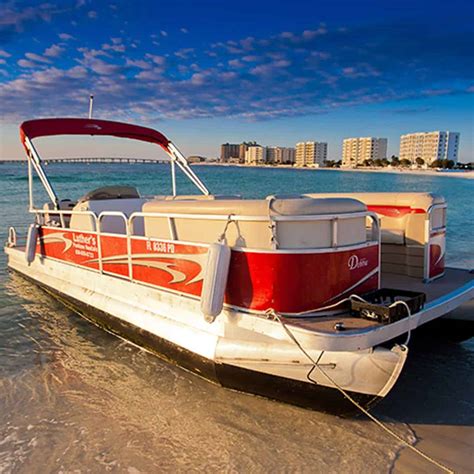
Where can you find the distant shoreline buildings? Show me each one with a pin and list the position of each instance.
(355, 151)
(429, 146)
(314, 154)
(420, 149)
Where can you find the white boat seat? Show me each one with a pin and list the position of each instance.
(393, 236)
(196, 197)
(109, 224)
(254, 233)
(403, 219)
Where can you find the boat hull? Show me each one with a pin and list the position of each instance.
(172, 327)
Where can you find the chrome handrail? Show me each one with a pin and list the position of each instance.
(170, 216)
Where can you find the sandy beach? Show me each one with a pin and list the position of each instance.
(420, 172)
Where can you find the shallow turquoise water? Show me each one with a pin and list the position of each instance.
(73, 397)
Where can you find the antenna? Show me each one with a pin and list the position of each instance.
(91, 104)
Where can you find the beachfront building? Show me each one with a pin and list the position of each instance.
(256, 155)
(196, 159)
(234, 153)
(229, 151)
(357, 150)
(311, 153)
(280, 155)
(429, 146)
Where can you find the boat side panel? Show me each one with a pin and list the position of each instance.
(292, 283)
(288, 282)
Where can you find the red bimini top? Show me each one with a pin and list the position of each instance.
(78, 126)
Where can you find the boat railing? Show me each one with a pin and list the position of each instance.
(333, 218)
(430, 230)
(130, 234)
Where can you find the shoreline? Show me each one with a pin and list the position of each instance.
(419, 172)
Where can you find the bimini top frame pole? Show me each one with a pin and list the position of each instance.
(78, 126)
(35, 160)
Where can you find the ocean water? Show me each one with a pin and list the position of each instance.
(74, 398)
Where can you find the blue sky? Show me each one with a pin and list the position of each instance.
(207, 72)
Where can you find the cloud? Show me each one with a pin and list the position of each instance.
(26, 63)
(151, 74)
(103, 68)
(65, 36)
(117, 48)
(53, 51)
(290, 73)
(411, 110)
(14, 17)
(163, 33)
(184, 30)
(92, 14)
(37, 58)
(159, 60)
(236, 63)
(4, 54)
(184, 53)
(138, 63)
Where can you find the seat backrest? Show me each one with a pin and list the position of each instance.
(52, 219)
(109, 224)
(402, 215)
(255, 231)
(412, 230)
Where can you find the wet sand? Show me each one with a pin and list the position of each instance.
(451, 445)
(434, 397)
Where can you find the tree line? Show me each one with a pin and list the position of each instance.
(395, 162)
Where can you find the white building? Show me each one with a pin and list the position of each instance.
(280, 155)
(311, 153)
(256, 155)
(356, 150)
(429, 146)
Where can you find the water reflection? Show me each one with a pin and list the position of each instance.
(77, 397)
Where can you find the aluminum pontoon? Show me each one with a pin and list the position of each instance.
(251, 294)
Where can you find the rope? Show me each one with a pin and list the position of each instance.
(229, 220)
(272, 225)
(272, 313)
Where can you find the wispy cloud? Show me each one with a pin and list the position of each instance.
(311, 71)
(65, 36)
(54, 51)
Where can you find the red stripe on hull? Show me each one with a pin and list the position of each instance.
(394, 211)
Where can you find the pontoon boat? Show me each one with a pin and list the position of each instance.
(254, 294)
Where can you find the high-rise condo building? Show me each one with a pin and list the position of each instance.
(357, 150)
(256, 155)
(311, 153)
(235, 152)
(280, 155)
(429, 146)
(228, 151)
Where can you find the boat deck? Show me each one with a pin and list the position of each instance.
(453, 280)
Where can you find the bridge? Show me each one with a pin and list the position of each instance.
(92, 160)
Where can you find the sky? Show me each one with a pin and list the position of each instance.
(206, 72)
